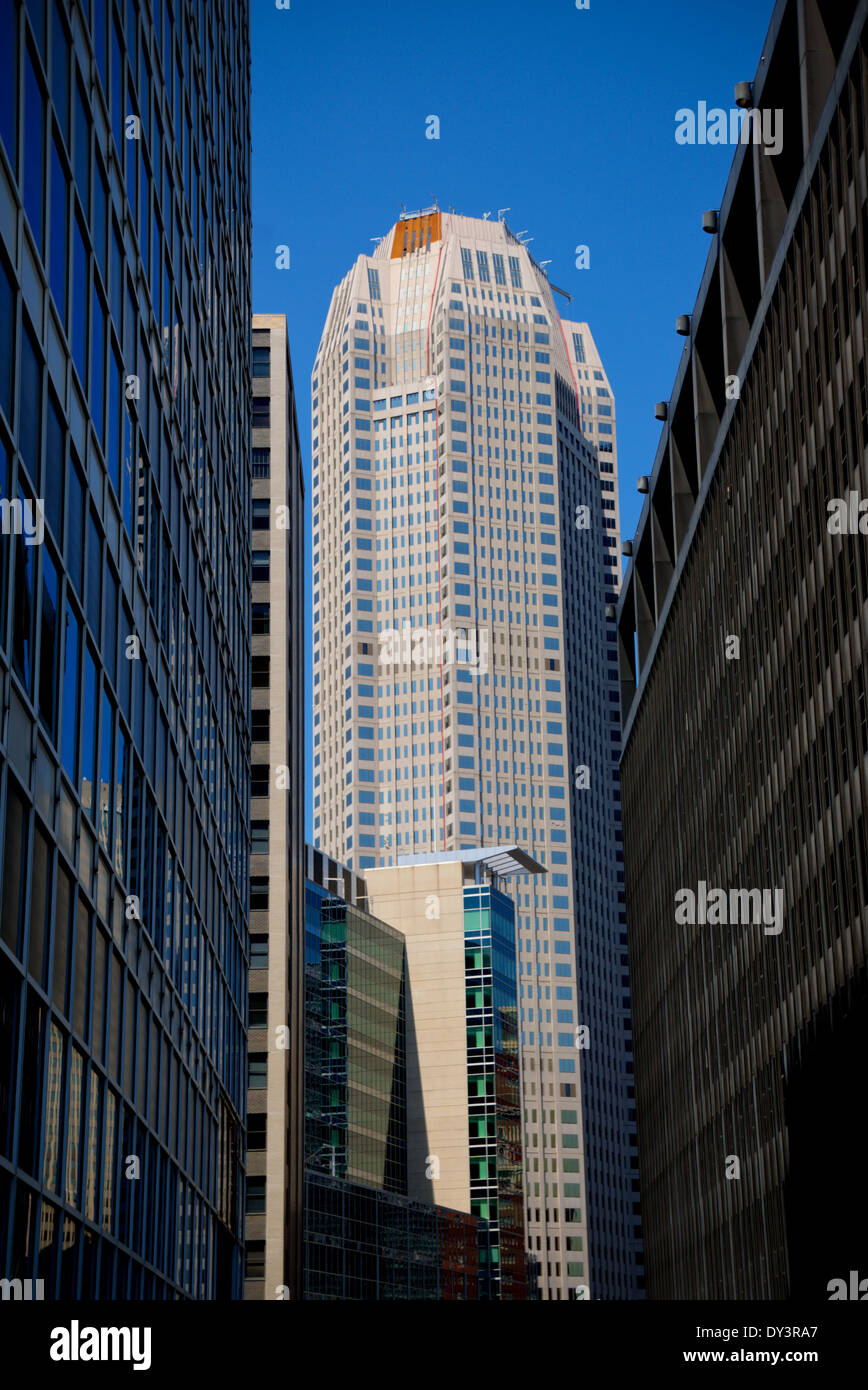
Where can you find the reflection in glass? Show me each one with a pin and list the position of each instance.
(120, 826)
(108, 1182)
(54, 1082)
(48, 646)
(88, 733)
(69, 750)
(73, 1130)
(34, 147)
(105, 773)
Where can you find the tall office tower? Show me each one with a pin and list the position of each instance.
(124, 645)
(464, 669)
(275, 1097)
(743, 627)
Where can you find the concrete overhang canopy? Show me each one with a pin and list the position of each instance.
(498, 859)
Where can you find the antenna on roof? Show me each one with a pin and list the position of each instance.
(485, 216)
(501, 211)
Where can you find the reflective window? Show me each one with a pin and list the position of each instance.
(9, 79)
(34, 151)
(7, 340)
(15, 861)
(69, 736)
(48, 645)
(30, 403)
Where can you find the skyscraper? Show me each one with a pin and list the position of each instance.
(464, 671)
(742, 645)
(124, 645)
(275, 1159)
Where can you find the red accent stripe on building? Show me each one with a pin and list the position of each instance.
(437, 523)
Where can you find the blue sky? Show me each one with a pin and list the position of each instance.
(565, 116)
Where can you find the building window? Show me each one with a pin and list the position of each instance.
(258, 1014)
(30, 416)
(15, 860)
(254, 1260)
(260, 672)
(257, 1128)
(262, 463)
(261, 412)
(261, 520)
(259, 779)
(260, 723)
(34, 151)
(255, 1199)
(258, 893)
(261, 566)
(261, 619)
(23, 610)
(261, 361)
(257, 1071)
(7, 342)
(258, 952)
(259, 837)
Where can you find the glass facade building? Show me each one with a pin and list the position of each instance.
(361, 1243)
(124, 644)
(494, 1087)
(364, 1236)
(355, 1044)
(464, 1112)
(743, 637)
